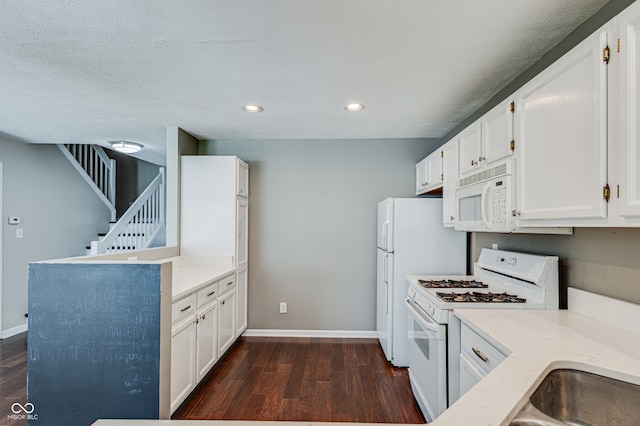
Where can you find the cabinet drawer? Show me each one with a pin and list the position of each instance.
(207, 295)
(183, 308)
(481, 353)
(227, 284)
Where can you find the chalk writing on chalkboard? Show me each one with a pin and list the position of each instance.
(94, 341)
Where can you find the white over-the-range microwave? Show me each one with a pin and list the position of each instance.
(485, 202)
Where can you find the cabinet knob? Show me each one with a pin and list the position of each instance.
(482, 158)
(452, 218)
(474, 162)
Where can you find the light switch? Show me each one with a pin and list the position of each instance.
(19, 233)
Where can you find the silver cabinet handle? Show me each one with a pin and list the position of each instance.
(480, 355)
(185, 309)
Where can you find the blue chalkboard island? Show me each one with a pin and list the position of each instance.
(99, 341)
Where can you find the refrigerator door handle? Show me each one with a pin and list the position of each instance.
(386, 269)
(385, 235)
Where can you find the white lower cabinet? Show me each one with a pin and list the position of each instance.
(241, 299)
(477, 358)
(227, 330)
(207, 339)
(204, 327)
(183, 358)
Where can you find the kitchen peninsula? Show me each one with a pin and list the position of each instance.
(102, 333)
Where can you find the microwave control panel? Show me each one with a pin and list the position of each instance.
(499, 204)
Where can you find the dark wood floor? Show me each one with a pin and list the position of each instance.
(13, 376)
(265, 378)
(304, 379)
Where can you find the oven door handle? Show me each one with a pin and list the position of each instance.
(428, 324)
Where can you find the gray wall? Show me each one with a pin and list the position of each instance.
(601, 260)
(312, 223)
(60, 216)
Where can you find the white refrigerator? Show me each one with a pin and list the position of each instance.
(412, 240)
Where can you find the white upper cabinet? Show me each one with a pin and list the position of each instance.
(449, 181)
(497, 133)
(421, 177)
(434, 169)
(242, 178)
(469, 145)
(487, 140)
(561, 132)
(429, 173)
(625, 144)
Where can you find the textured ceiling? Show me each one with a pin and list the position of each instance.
(79, 71)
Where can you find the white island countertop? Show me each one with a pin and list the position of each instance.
(192, 273)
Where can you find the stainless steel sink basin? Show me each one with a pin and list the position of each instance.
(575, 397)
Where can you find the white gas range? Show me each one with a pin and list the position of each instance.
(501, 280)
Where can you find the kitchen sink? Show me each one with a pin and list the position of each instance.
(576, 397)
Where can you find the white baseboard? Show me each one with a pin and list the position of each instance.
(310, 333)
(13, 331)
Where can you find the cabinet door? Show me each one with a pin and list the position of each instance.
(242, 178)
(241, 299)
(469, 374)
(449, 181)
(183, 355)
(434, 169)
(626, 152)
(421, 176)
(226, 329)
(242, 230)
(469, 146)
(207, 339)
(561, 121)
(497, 132)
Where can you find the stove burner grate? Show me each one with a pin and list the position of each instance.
(452, 283)
(477, 297)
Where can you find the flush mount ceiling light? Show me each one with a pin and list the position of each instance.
(354, 107)
(126, 147)
(252, 108)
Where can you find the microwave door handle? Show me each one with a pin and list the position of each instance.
(483, 205)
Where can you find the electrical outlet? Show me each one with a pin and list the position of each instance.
(283, 307)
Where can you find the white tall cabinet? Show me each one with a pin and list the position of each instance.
(215, 219)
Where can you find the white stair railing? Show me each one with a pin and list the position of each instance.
(96, 168)
(139, 225)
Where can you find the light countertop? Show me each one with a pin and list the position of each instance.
(191, 274)
(539, 341)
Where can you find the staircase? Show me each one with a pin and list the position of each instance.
(137, 228)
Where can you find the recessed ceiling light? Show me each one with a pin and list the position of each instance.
(126, 147)
(252, 108)
(354, 107)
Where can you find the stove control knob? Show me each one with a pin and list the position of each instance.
(512, 261)
(431, 310)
